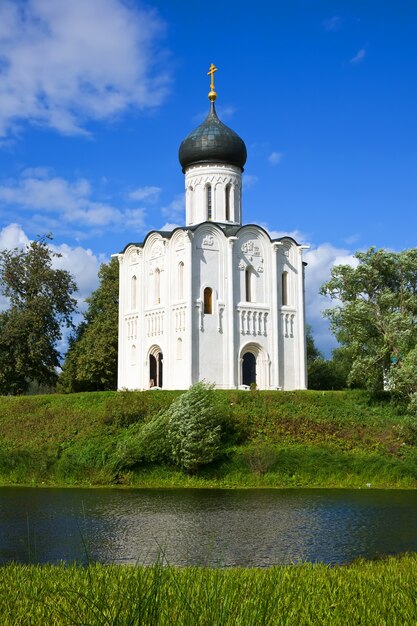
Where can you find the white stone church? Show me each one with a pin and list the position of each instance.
(214, 300)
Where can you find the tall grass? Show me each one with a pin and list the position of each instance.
(369, 593)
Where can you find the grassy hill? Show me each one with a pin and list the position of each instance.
(274, 438)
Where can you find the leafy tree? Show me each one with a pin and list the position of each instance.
(41, 302)
(91, 361)
(194, 429)
(402, 381)
(313, 352)
(376, 314)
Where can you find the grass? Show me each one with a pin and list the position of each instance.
(282, 439)
(371, 593)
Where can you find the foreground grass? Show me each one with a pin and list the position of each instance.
(281, 439)
(371, 593)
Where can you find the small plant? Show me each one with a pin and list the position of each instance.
(407, 430)
(260, 458)
(194, 429)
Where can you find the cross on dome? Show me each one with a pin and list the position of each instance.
(212, 94)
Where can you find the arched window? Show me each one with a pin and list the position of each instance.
(180, 280)
(209, 202)
(208, 301)
(155, 369)
(157, 285)
(133, 355)
(133, 287)
(227, 202)
(179, 348)
(248, 284)
(284, 288)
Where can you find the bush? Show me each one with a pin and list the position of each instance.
(147, 443)
(260, 458)
(194, 429)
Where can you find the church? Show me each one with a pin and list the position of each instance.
(213, 300)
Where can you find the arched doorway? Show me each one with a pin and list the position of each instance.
(155, 368)
(249, 369)
(255, 366)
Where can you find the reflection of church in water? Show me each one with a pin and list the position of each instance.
(213, 300)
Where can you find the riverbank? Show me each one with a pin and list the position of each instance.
(365, 592)
(270, 439)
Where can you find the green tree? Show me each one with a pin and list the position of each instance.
(375, 317)
(41, 303)
(91, 361)
(194, 430)
(313, 352)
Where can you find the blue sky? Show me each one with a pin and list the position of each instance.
(96, 96)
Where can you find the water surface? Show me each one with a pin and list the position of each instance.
(218, 528)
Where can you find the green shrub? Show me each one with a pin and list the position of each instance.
(194, 429)
(145, 443)
(407, 430)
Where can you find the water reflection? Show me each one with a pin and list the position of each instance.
(218, 528)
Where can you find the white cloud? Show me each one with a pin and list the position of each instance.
(174, 211)
(151, 193)
(66, 62)
(332, 23)
(320, 261)
(249, 180)
(298, 235)
(12, 236)
(353, 239)
(169, 226)
(275, 158)
(58, 204)
(359, 57)
(135, 218)
(83, 264)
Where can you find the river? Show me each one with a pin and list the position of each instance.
(213, 527)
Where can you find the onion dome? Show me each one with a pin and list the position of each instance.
(212, 141)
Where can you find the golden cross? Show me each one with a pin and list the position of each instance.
(211, 71)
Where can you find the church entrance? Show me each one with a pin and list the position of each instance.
(249, 369)
(155, 369)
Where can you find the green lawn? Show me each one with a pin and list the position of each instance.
(282, 439)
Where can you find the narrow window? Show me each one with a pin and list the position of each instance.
(209, 204)
(157, 286)
(191, 203)
(133, 285)
(179, 348)
(180, 280)
(133, 355)
(227, 200)
(248, 285)
(208, 301)
(284, 288)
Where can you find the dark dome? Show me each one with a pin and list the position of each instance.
(212, 142)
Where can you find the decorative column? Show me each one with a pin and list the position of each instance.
(275, 381)
(189, 330)
(232, 358)
(302, 354)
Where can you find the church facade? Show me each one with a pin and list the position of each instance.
(214, 300)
